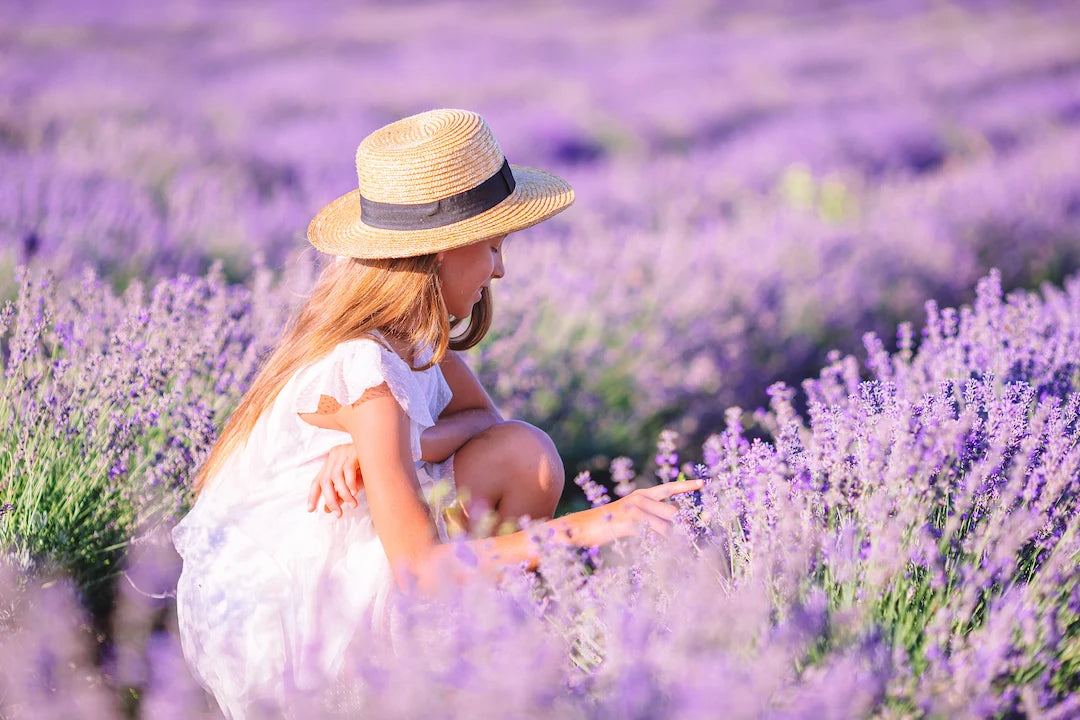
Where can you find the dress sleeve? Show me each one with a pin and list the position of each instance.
(355, 366)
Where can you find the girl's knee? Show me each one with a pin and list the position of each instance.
(534, 459)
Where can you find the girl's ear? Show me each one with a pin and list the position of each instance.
(439, 257)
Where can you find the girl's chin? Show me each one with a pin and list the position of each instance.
(462, 312)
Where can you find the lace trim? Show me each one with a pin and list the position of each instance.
(329, 406)
(355, 367)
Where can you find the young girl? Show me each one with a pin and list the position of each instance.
(360, 410)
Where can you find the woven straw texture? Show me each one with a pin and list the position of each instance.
(427, 157)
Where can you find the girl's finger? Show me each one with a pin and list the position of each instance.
(342, 488)
(329, 495)
(352, 478)
(316, 490)
(656, 524)
(666, 490)
(662, 510)
(660, 527)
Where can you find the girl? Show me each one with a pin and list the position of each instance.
(366, 394)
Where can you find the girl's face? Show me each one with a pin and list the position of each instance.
(464, 270)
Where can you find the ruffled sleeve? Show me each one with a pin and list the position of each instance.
(356, 366)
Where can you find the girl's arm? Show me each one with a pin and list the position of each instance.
(451, 431)
(380, 431)
(469, 394)
(596, 526)
(469, 413)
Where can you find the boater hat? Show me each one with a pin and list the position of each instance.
(430, 182)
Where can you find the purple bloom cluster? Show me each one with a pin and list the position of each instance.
(107, 404)
(893, 537)
(595, 493)
(755, 185)
(908, 546)
(667, 458)
(622, 474)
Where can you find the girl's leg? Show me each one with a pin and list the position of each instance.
(512, 468)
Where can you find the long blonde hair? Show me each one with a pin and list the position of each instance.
(399, 297)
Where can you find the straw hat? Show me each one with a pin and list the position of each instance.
(434, 181)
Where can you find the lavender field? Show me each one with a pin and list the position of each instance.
(830, 249)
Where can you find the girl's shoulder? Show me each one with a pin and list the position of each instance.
(369, 351)
(374, 348)
(369, 348)
(354, 366)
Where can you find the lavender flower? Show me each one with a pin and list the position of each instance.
(667, 458)
(882, 532)
(622, 472)
(595, 492)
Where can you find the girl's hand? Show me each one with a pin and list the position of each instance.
(452, 430)
(624, 516)
(338, 481)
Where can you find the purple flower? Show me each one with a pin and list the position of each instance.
(595, 492)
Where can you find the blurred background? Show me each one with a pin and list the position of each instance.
(757, 182)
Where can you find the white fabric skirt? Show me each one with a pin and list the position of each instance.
(271, 596)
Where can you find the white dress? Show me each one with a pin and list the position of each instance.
(271, 595)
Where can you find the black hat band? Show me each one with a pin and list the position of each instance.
(445, 211)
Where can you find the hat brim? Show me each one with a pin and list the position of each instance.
(339, 229)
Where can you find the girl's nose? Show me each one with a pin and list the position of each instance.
(499, 270)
